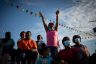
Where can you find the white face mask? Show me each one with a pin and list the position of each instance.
(66, 43)
(77, 40)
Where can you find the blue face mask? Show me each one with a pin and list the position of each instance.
(77, 40)
(50, 28)
(66, 43)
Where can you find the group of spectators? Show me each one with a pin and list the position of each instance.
(30, 51)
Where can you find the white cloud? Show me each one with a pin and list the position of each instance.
(79, 15)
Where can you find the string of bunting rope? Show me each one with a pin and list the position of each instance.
(73, 29)
(24, 10)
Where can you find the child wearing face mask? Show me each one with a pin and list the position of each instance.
(68, 55)
(83, 50)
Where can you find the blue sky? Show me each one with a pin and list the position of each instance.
(73, 13)
(15, 20)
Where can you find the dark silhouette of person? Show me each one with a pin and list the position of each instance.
(7, 46)
(93, 58)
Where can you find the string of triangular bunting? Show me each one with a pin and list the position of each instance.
(73, 29)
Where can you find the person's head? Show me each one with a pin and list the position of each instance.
(51, 26)
(43, 45)
(76, 39)
(66, 42)
(23, 34)
(45, 51)
(8, 35)
(39, 37)
(28, 35)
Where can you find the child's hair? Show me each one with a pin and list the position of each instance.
(45, 48)
(51, 24)
(38, 37)
(43, 45)
(22, 32)
(65, 38)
